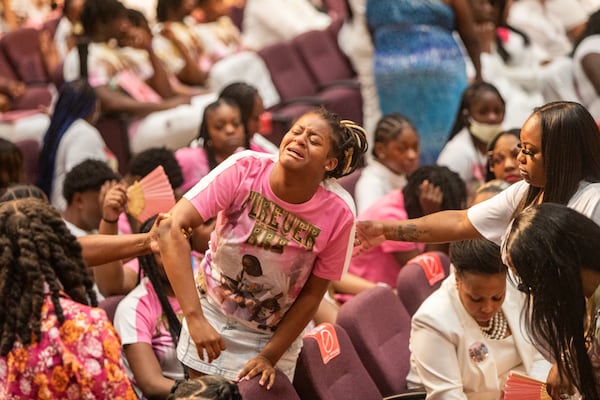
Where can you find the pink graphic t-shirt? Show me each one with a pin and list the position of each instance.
(263, 249)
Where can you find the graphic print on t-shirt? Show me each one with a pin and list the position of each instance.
(265, 254)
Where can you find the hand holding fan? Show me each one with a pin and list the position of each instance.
(523, 387)
(150, 195)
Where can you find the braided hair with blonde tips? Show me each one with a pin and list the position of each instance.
(349, 142)
(38, 255)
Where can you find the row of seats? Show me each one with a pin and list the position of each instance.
(310, 70)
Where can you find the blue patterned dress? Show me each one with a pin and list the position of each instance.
(419, 67)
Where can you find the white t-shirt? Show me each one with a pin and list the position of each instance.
(80, 142)
(461, 156)
(492, 217)
(375, 181)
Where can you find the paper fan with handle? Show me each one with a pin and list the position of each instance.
(150, 195)
(522, 387)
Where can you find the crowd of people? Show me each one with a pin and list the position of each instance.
(474, 145)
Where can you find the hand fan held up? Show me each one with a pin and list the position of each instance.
(522, 387)
(151, 195)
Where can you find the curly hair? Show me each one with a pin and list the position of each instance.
(206, 387)
(39, 256)
(452, 186)
(145, 162)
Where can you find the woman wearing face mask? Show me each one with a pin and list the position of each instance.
(478, 121)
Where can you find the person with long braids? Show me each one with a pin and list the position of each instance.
(54, 343)
(284, 230)
(147, 322)
(554, 258)
(70, 139)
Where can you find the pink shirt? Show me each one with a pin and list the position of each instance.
(80, 359)
(379, 264)
(263, 249)
(140, 319)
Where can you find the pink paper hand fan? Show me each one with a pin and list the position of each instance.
(523, 387)
(151, 195)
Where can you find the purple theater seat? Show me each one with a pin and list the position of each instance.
(23, 52)
(348, 182)
(30, 148)
(420, 277)
(343, 377)
(281, 390)
(295, 84)
(114, 132)
(324, 59)
(379, 328)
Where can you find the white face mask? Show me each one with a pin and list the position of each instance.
(484, 132)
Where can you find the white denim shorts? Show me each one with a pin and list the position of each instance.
(242, 345)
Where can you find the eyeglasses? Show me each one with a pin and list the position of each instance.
(499, 157)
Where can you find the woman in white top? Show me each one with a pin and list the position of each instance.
(70, 139)
(473, 323)
(559, 162)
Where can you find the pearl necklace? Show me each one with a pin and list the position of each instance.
(496, 329)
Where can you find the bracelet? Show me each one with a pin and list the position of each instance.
(108, 221)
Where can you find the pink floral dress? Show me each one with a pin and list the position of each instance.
(79, 360)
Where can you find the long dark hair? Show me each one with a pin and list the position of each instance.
(205, 135)
(570, 150)
(548, 245)
(151, 269)
(76, 100)
(244, 95)
(38, 255)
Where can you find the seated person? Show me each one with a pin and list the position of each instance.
(177, 44)
(148, 322)
(22, 123)
(473, 325)
(92, 193)
(429, 189)
(478, 121)
(55, 343)
(221, 134)
(130, 80)
(70, 139)
(503, 151)
(395, 156)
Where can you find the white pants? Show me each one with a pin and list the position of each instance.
(173, 128)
